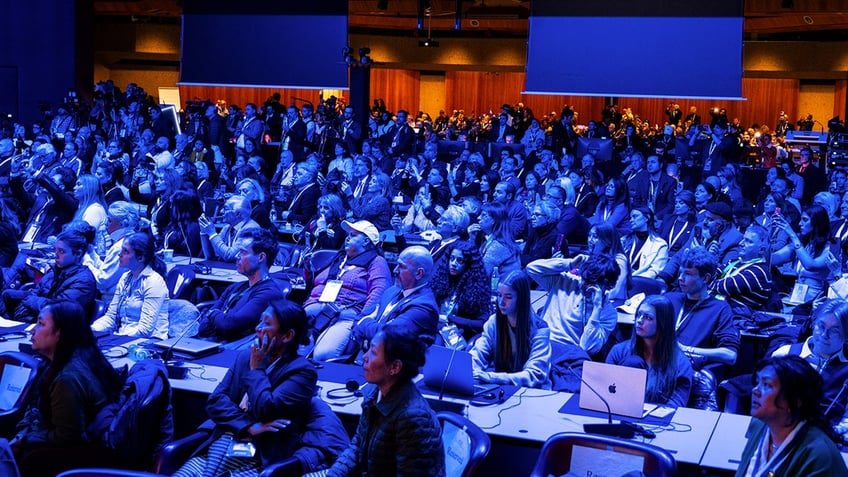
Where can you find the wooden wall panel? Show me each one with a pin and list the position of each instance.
(242, 96)
(400, 89)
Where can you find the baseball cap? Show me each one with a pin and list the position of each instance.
(364, 227)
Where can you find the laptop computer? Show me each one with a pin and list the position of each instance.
(191, 347)
(622, 387)
(454, 369)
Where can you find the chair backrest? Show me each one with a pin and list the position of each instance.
(16, 387)
(466, 445)
(179, 282)
(94, 472)
(602, 455)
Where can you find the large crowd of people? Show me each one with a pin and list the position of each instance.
(522, 204)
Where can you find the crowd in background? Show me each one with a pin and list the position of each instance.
(669, 214)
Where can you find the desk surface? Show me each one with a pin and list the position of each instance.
(533, 415)
(218, 274)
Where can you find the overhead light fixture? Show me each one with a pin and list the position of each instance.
(382, 4)
(428, 43)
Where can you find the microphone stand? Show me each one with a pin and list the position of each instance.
(175, 368)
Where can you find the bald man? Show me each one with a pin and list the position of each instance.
(410, 303)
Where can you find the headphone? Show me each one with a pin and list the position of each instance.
(350, 390)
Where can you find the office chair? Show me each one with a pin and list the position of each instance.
(93, 472)
(556, 455)
(10, 416)
(179, 281)
(472, 441)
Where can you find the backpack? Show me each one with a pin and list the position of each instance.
(141, 422)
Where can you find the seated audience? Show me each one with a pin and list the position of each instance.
(78, 382)
(351, 285)
(788, 435)
(225, 245)
(302, 206)
(91, 208)
(68, 280)
(461, 288)
(409, 305)
(326, 228)
(398, 433)
(374, 205)
(264, 398)
(234, 314)
(543, 239)
(614, 206)
(452, 226)
(498, 244)
(653, 346)
(578, 311)
(746, 282)
(515, 346)
(122, 222)
(677, 228)
(182, 234)
(824, 350)
(647, 252)
(704, 325)
(140, 305)
(809, 251)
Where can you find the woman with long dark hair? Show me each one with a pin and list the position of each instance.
(614, 206)
(183, 233)
(810, 250)
(460, 286)
(677, 230)
(653, 346)
(140, 304)
(76, 385)
(515, 346)
(646, 251)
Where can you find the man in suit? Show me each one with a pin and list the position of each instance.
(350, 131)
(402, 136)
(501, 128)
(225, 245)
(294, 135)
(410, 304)
(216, 131)
(693, 117)
(638, 180)
(661, 190)
(304, 204)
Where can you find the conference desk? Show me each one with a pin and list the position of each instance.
(212, 271)
(523, 422)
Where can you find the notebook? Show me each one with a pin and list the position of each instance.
(622, 387)
(189, 346)
(460, 375)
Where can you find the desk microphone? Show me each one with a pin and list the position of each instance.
(175, 370)
(445, 377)
(624, 429)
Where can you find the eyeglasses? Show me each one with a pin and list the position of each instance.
(831, 333)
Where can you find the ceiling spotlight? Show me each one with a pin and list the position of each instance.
(428, 43)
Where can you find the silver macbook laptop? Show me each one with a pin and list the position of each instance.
(621, 386)
(454, 369)
(189, 346)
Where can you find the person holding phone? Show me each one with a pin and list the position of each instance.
(809, 252)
